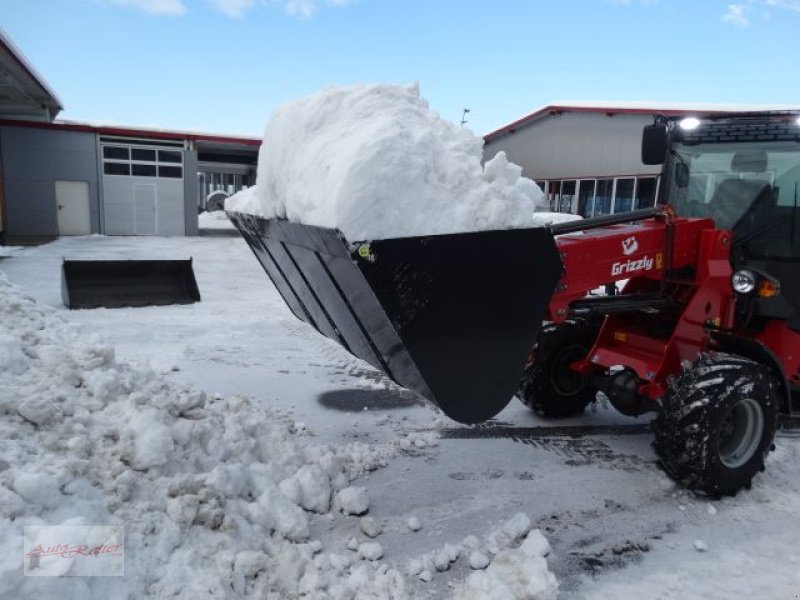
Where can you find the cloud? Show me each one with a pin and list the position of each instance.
(305, 9)
(234, 8)
(154, 7)
(737, 15)
(787, 4)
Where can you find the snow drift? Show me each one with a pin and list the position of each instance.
(376, 162)
(215, 494)
(218, 496)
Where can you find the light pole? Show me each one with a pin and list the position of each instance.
(464, 117)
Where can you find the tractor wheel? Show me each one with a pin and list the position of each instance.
(548, 386)
(717, 424)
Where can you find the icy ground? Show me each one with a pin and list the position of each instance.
(617, 526)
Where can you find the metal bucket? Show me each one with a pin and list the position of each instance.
(451, 317)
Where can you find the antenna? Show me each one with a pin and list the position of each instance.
(464, 117)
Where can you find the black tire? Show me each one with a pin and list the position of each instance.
(548, 387)
(717, 424)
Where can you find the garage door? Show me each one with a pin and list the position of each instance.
(142, 189)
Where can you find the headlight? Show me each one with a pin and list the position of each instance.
(744, 282)
(689, 123)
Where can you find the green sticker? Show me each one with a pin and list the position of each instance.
(363, 251)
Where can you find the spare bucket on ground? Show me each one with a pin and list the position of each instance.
(122, 283)
(451, 317)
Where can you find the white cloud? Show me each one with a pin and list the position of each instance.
(741, 14)
(788, 4)
(234, 8)
(737, 15)
(154, 7)
(305, 9)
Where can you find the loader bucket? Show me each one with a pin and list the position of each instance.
(119, 283)
(451, 317)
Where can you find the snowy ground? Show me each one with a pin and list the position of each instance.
(617, 526)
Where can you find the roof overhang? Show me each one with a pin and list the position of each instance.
(618, 108)
(205, 140)
(24, 94)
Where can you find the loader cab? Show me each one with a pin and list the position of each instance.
(743, 172)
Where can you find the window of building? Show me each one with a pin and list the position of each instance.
(143, 170)
(623, 197)
(645, 192)
(567, 196)
(116, 168)
(174, 172)
(553, 195)
(603, 196)
(116, 152)
(144, 154)
(586, 197)
(142, 161)
(170, 156)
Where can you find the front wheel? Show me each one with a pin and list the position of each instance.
(717, 424)
(548, 386)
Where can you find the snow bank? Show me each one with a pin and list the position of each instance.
(376, 162)
(215, 494)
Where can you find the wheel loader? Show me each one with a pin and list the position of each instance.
(700, 325)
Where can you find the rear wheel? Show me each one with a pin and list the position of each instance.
(717, 424)
(548, 386)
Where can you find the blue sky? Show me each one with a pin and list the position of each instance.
(223, 65)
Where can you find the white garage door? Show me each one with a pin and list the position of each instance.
(143, 190)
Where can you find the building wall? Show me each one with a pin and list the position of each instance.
(33, 159)
(190, 187)
(576, 145)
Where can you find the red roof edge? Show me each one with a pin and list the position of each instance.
(134, 132)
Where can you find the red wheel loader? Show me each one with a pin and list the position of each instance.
(704, 332)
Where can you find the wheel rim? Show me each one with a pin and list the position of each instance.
(741, 431)
(565, 381)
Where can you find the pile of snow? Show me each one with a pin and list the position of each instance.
(214, 219)
(514, 573)
(216, 495)
(376, 162)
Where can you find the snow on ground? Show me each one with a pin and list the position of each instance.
(375, 162)
(616, 526)
(214, 219)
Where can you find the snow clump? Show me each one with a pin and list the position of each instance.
(376, 162)
(353, 500)
(215, 494)
(514, 573)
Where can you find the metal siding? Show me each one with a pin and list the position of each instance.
(190, 191)
(575, 145)
(33, 159)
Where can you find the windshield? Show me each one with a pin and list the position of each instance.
(752, 188)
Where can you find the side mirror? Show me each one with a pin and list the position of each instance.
(654, 144)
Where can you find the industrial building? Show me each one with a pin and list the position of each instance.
(68, 178)
(587, 156)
